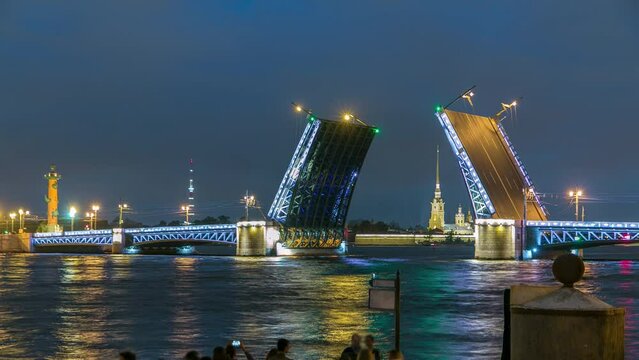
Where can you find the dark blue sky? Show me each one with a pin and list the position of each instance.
(120, 94)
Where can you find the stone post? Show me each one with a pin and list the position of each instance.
(562, 322)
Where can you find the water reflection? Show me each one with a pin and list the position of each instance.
(14, 282)
(184, 326)
(72, 307)
(343, 312)
(83, 307)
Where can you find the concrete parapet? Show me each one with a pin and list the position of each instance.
(16, 243)
(562, 322)
(497, 239)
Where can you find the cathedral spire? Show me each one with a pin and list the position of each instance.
(438, 193)
(436, 220)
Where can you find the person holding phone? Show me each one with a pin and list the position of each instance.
(231, 350)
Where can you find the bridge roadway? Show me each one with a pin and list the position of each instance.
(493, 168)
(222, 233)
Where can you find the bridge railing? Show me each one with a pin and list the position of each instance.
(91, 237)
(217, 233)
(180, 228)
(73, 233)
(222, 233)
(553, 233)
(584, 224)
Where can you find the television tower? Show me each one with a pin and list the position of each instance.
(191, 202)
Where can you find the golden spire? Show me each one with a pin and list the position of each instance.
(437, 188)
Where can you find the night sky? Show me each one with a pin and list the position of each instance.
(121, 94)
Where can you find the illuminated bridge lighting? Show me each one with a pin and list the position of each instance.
(224, 233)
(567, 234)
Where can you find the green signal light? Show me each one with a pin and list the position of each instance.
(376, 130)
(439, 108)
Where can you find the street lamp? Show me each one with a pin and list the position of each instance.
(505, 107)
(89, 217)
(13, 217)
(72, 212)
(95, 209)
(187, 210)
(21, 216)
(122, 208)
(249, 201)
(576, 194)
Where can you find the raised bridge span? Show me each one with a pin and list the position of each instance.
(308, 213)
(503, 197)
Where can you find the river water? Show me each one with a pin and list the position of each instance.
(59, 306)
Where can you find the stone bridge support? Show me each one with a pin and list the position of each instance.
(497, 239)
(16, 243)
(256, 238)
(118, 243)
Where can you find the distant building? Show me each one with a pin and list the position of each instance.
(460, 219)
(462, 225)
(436, 221)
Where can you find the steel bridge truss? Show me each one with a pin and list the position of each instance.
(482, 206)
(92, 237)
(311, 238)
(279, 207)
(574, 232)
(225, 233)
(312, 201)
(204, 233)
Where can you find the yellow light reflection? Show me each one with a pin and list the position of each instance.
(82, 327)
(346, 296)
(14, 280)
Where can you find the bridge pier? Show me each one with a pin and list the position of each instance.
(256, 238)
(497, 239)
(118, 242)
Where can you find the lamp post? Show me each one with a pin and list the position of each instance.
(528, 194)
(576, 194)
(13, 217)
(122, 208)
(249, 201)
(187, 212)
(95, 209)
(72, 212)
(89, 217)
(21, 216)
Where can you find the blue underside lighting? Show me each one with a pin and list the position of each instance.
(131, 250)
(186, 250)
